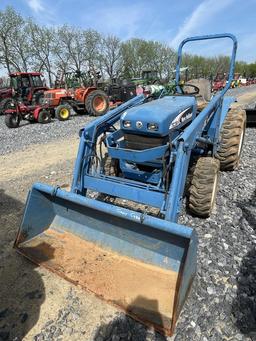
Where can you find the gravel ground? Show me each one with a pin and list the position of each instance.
(27, 133)
(222, 304)
(244, 90)
(241, 90)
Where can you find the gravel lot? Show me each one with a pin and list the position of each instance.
(27, 133)
(241, 90)
(222, 302)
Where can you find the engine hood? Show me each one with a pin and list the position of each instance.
(166, 113)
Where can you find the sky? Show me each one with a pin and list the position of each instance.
(164, 20)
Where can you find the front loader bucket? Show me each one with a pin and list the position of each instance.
(140, 263)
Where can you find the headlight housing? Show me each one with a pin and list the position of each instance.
(152, 126)
(127, 124)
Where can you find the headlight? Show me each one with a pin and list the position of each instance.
(152, 126)
(127, 124)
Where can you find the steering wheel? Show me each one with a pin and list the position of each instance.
(195, 92)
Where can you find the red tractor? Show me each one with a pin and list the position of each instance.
(18, 111)
(77, 91)
(219, 82)
(28, 86)
(95, 102)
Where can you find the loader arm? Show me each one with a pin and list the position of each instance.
(89, 136)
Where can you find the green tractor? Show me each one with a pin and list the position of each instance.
(147, 77)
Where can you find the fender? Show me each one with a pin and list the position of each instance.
(226, 107)
(37, 111)
(82, 93)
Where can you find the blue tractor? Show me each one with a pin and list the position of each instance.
(116, 233)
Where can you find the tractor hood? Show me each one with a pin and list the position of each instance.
(158, 117)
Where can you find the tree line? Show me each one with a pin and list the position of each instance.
(27, 46)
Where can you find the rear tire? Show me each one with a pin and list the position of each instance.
(203, 188)
(231, 139)
(12, 120)
(44, 117)
(97, 103)
(62, 112)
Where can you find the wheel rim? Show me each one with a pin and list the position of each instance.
(64, 113)
(15, 119)
(8, 105)
(99, 103)
(45, 117)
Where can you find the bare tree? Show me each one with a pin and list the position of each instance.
(111, 56)
(42, 48)
(10, 24)
(165, 61)
(92, 40)
(21, 50)
(70, 48)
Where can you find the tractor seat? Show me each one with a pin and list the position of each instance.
(204, 86)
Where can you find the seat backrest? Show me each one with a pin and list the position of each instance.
(204, 86)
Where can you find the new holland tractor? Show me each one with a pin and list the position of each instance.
(116, 233)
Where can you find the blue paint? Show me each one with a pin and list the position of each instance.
(133, 234)
(126, 189)
(146, 177)
(118, 150)
(161, 112)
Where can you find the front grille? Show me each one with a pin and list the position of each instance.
(49, 95)
(140, 142)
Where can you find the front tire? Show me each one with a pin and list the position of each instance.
(111, 166)
(231, 139)
(62, 112)
(44, 117)
(12, 120)
(203, 188)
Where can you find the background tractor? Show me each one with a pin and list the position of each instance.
(219, 82)
(78, 94)
(29, 87)
(119, 92)
(18, 111)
